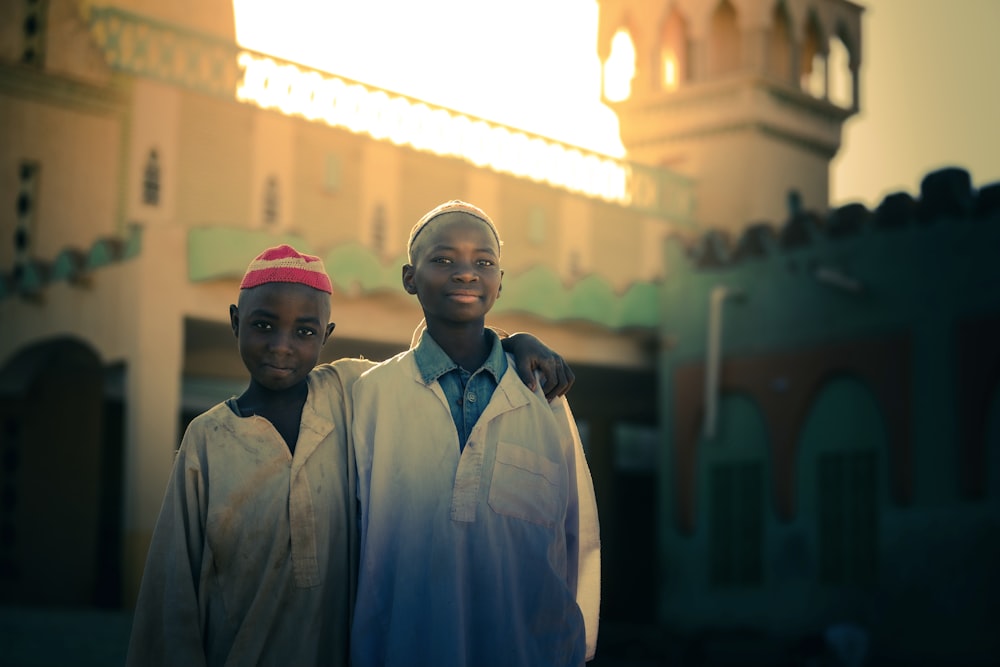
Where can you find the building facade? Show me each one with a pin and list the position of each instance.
(790, 413)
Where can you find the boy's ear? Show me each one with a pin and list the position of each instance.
(329, 330)
(500, 286)
(234, 319)
(408, 284)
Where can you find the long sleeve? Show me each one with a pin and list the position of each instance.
(583, 539)
(166, 627)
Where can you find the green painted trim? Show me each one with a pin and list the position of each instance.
(537, 291)
(593, 299)
(216, 253)
(72, 265)
(103, 253)
(640, 306)
(354, 266)
(69, 265)
(222, 253)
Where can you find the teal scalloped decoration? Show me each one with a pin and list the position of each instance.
(353, 264)
(223, 252)
(33, 278)
(133, 242)
(68, 265)
(640, 306)
(592, 298)
(103, 253)
(537, 291)
(393, 273)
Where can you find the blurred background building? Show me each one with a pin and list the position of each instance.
(791, 411)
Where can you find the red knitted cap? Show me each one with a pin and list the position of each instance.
(285, 264)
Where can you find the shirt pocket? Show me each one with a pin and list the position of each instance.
(525, 485)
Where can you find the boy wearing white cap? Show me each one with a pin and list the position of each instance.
(479, 537)
(253, 557)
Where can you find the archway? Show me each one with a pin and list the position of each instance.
(841, 482)
(733, 483)
(57, 536)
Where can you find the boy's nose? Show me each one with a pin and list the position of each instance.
(465, 273)
(281, 342)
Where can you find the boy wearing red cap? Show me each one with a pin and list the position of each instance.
(252, 560)
(479, 536)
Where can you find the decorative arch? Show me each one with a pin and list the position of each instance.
(839, 485)
(842, 69)
(724, 40)
(883, 364)
(57, 476)
(733, 479)
(673, 61)
(812, 61)
(780, 44)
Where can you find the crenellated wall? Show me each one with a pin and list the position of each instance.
(846, 365)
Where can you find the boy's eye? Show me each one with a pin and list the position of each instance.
(307, 332)
(261, 325)
(485, 262)
(441, 260)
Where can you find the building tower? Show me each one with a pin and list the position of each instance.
(748, 97)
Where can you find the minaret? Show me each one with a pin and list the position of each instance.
(748, 97)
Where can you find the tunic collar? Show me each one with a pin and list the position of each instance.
(433, 362)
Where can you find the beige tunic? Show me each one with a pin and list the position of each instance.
(253, 557)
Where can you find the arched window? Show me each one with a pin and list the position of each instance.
(841, 481)
(379, 233)
(151, 179)
(271, 201)
(33, 32)
(841, 79)
(724, 41)
(779, 47)
(812, 67)
(674, 52)
(734, 482)
(619, 70)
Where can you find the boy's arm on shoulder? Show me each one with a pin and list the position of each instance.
(583, 538)
(532, 356)
(167, 624)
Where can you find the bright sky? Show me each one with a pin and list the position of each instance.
(929, 81)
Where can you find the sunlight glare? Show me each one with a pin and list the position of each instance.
(620, 68)
(670, 78)
(509, 73)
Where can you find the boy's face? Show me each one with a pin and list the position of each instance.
(456, 268)
(281, 328)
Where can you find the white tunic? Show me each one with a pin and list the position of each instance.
(485, 556)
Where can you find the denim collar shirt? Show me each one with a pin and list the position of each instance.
(468, 393)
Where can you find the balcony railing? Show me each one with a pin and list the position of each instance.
(152, 49)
